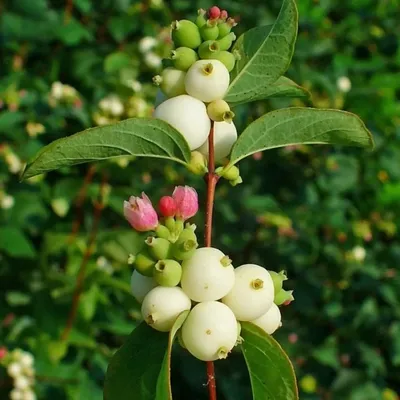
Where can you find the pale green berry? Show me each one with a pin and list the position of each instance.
(185, 33)
(185, 246)
(252, 294)
(226, 42)
(209, 31)
(207, 80)
(227, 58)
(198, 163)
(226, 27)
(171, 82)
(207, 275)
(141, 285)
(283, 296)
(278, 279)
(210, 331)
(167, 273)
(219, 110)
(201, 19)
(158, 248)
(144, 263)
(225, 136)
(231, 173)
(270, 321)
(162, 305)
(183, 58)
(187, 115)
(208, 49)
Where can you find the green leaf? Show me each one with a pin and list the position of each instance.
(116, 61)
(271, 372)
(164, 379)
(283, 87)
(292, 126)
(265, 54)
(145, 137)
(14, 243)
(133, 371)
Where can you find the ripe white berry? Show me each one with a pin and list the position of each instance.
(16, 394)
(162, 305)
(207, 80)
(207, 275)
(270, 321)
(29, 395)
(26, 360)
(187, 115)
(21, 382)
(210, 331)
(252, 294)
(225, 136)
(141, 285)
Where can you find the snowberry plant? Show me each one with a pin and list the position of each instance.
(189, 290)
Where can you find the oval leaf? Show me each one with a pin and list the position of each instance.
(283, 87)
(164, 391)
(144, 137)
(133, 371)
(271, 372)
(297, 125)
(265, 54)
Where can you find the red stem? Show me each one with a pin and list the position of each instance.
(211, 179)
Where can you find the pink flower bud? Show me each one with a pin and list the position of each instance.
(167, 206)
(223, 15)
(3, 352)
(186, 200)
(140, 213)
(214, 12)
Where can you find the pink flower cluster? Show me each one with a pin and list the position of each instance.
(140, 213)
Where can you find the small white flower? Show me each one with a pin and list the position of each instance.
(69, 92)
(57, 90)
(16, 394)
(7, 202)
(112, 105)
(21, 382)
(29, 395)
(14, 163)
(60, 206)
(359, 253)
(104, 265)
(147, 43)
(135, 85)
(14, 369)
(344, 84)
(153, 60)
(27, 360)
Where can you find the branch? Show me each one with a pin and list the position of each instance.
(211, 179)
(98, 208)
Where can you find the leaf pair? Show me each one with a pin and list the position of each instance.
(141, 368)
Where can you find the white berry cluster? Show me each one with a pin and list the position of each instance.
(21, 368)
(195, 82)
(218, 297)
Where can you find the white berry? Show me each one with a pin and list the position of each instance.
(29, 395)
(14, 369)
(141, 285)
(16, 394)
(207, 80)
(225, 136)
(26, 360)
(188, 116)
(21, 382)
(210, 331)
(162, 305)
(270, 321)
(207, 275)
(252, 294)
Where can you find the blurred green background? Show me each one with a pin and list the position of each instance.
(329, 216)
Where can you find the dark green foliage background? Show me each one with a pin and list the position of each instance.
(303, 209)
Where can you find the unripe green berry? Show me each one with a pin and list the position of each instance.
(283, 296)
(185, 246)
(159, 248)
(183, 58)
(231, 173)
(201, 19)
(185, 33)
(162, 232)
(219, 110)
(227, 58)
(167, 273)
(170, 223)
(226, 42)
(226, 27)
(208, 49)
(278, 278)
(236, 181)
(198, 163)
(171, 82)
(144, 263)
(210, 30)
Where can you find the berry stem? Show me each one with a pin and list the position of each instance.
(211, 180)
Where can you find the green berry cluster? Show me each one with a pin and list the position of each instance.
(208, 37)
(171, 243)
